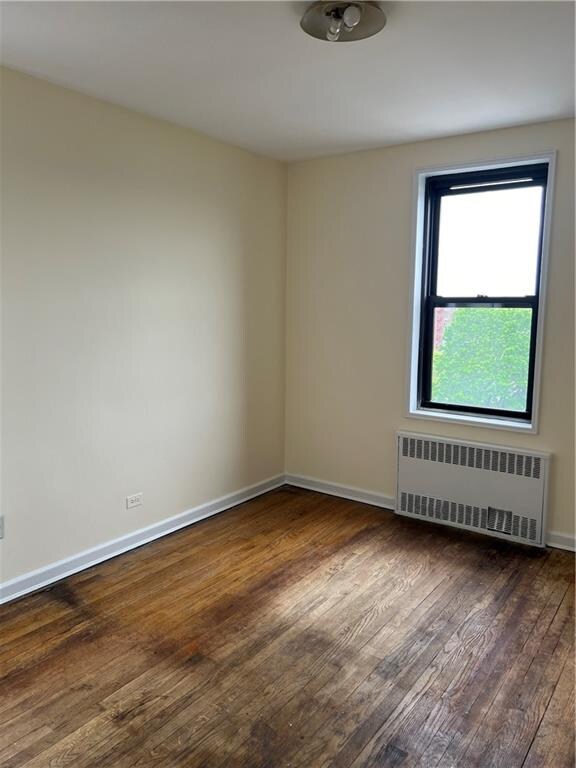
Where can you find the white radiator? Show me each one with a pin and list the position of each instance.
(490, 489)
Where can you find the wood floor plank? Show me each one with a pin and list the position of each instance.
(407, 654)
(442, 690)
(111, 597)
(526, 690)
(553, 744)
(518, 627)
(295, 653)
(314, 706)
(297, 630)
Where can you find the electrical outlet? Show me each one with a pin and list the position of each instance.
(134, 501)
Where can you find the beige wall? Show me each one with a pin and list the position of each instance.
(143, 320)
(348, 292)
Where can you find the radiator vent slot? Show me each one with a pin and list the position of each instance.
(475, 518)
(500, 520)
(487, 459)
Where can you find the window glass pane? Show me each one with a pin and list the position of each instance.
(488, 242)
(480, 357)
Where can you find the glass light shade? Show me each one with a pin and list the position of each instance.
(319, 16)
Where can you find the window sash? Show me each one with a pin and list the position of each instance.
(427, 352)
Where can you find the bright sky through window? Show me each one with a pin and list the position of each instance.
(488, 242)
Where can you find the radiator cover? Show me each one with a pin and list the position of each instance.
(492, 489)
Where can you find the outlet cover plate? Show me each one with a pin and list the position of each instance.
(134, 501)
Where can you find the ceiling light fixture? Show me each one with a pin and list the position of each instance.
(343, 22)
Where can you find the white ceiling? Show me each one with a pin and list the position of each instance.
(244, 72)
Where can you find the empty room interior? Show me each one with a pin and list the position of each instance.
(287, 384)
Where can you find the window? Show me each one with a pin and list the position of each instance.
(478, 297)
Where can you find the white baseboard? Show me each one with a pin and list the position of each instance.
(554, 539)
(43, 577)
(561, 541)
(344, 491)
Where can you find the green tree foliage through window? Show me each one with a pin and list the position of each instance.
(481, 357)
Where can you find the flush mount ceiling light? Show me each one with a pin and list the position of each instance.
(343, 22)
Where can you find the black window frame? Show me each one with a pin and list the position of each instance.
(459, 183)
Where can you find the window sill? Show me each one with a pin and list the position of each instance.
(489, 422)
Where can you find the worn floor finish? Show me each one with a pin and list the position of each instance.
(296, 630)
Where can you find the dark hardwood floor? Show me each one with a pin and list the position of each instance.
(297, 630)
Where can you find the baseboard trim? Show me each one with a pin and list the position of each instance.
(554, 539)
(344, 491)
(44, 577)
(561, 541)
